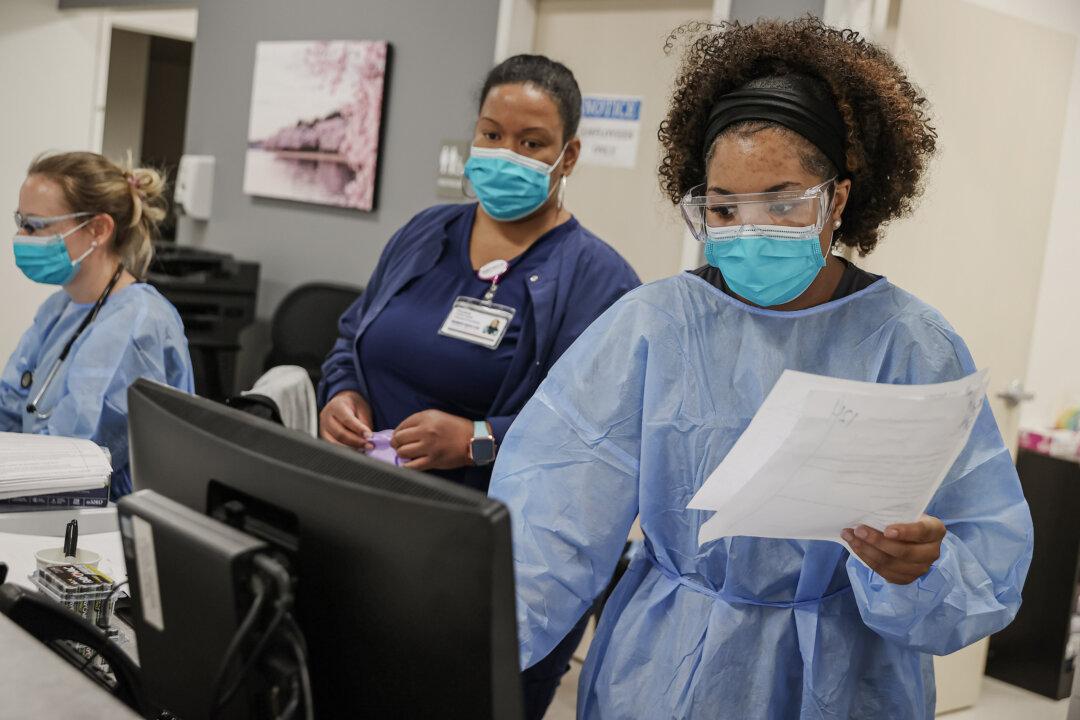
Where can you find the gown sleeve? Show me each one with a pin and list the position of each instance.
(568, 471)
(973, 589)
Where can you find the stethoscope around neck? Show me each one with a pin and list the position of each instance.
(27, 379)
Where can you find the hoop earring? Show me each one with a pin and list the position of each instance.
(562, 191)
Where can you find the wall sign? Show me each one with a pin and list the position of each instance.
(609, 130)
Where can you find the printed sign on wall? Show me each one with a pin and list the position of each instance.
(609, 130)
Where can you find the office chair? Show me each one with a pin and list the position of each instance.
(305, 326)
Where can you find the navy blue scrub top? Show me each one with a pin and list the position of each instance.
(411, 368)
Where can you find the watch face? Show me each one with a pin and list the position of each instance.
(483, 451)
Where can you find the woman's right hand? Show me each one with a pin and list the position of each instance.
(346, 420)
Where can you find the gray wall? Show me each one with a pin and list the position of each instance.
(440, 54)
(746, 11)
(69, 4)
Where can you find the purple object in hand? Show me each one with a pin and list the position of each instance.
(383, 451)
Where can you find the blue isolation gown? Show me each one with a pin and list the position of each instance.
(635, 417)
(137, 334)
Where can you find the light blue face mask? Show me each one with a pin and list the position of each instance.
(46, 260)
(765, 269)
(509, 186)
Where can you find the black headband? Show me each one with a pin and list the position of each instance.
(794, 107)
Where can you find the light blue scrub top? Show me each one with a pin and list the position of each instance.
(137, 334)
(634, 418)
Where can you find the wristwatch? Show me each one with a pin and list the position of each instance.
(482, 445)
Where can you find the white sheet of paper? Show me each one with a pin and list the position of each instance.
(823, 454)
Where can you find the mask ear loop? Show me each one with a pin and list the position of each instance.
(93, 243)
(92, 248)
(466, 184)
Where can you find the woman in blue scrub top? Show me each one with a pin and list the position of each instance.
(87, 225)
(783, 140)
(470, 305)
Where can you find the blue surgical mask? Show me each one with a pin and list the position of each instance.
(766, 270)
(46, 259)
(509, 186)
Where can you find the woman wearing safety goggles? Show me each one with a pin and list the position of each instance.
(86, 225)
(782, 142)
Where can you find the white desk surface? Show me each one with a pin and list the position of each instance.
(34, 681)
(22, 534)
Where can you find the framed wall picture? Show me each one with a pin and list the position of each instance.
(316, 116)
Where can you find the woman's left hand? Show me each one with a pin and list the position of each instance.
(433, 440)
(903, 553)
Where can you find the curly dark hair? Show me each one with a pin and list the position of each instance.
(889, 138)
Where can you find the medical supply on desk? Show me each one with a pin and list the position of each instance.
(83, 589)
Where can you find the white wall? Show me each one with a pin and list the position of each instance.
(1054, 361)
(1052, 370)
(616, 47)
(47, 72)
(987, 207)
(53, 69)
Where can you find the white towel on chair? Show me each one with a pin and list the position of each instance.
(290, 388)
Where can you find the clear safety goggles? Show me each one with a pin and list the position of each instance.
(787, 214)
(32, 223)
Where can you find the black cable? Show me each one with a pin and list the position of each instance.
(108, 600)
(271, 629)
(299, 646)
(279, 575)
(234, 645)
(294, 702)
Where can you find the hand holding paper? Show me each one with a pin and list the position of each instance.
(901, 554)
(825, 455)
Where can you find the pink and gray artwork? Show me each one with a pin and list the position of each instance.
(313, 135)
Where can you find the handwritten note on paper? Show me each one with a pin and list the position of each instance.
(824, 454)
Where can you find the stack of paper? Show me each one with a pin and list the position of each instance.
(824, 454)
(44, 464)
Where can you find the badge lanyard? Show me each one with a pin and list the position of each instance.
(494, 272)
(481, 322)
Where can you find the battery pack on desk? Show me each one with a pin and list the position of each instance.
(82, 589)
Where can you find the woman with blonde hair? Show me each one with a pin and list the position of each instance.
(87, 224)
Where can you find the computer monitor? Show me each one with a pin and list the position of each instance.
(405, 581)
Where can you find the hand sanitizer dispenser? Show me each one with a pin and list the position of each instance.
(195, 186)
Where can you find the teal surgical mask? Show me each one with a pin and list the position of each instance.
(46, 260)
(764, 269)
(767, 245)
(509, 186)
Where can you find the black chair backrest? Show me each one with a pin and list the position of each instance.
(305, 325)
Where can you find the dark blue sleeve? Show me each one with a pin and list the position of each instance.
(339, 370)
(601, 280)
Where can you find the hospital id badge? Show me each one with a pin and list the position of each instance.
(478, 322)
